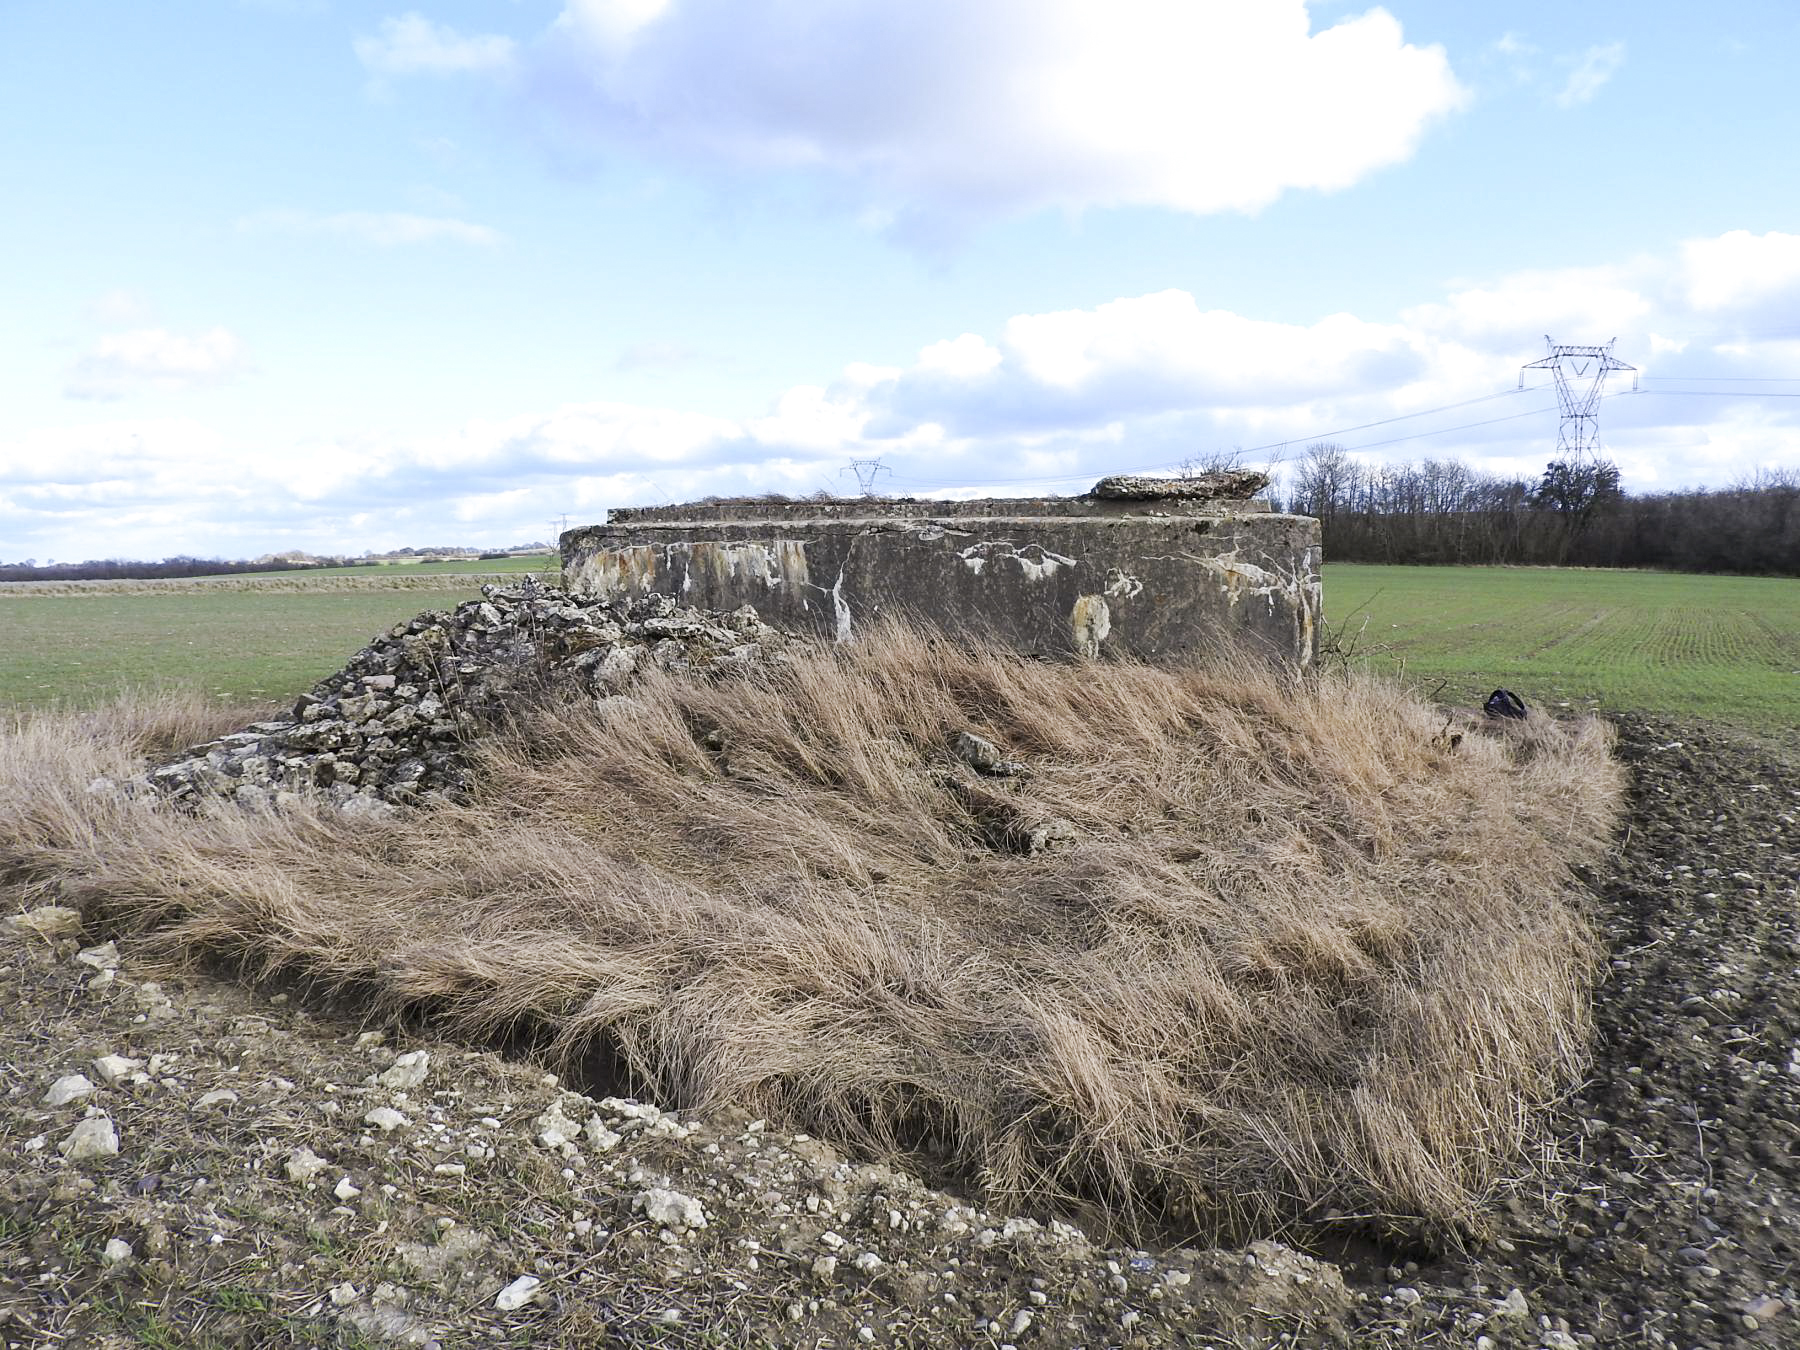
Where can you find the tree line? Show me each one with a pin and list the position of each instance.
(1577, 514)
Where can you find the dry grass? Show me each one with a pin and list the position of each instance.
(1304, 954)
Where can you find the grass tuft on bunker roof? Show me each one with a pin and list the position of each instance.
(1291, 949)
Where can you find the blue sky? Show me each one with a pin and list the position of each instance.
(311, 274)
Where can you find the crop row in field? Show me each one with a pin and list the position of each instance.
(1725, 647)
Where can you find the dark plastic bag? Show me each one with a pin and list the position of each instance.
(1504, 703)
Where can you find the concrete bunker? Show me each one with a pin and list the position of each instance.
(1151, 567)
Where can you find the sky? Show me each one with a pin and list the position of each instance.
(333, 276)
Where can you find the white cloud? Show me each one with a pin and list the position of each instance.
(119, 306)
(1592, 70)
(1519, 308)
(1168, 338)
(386, 228)
(962, 358)
(1739, 269)
(942, 109)
(1045, 401)
(154, 359)
(412, 44)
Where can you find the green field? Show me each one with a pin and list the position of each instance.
(538, 562)
(237, 644)
(1725, 647)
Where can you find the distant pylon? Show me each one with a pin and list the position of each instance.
(1580, 373)
(866, 471)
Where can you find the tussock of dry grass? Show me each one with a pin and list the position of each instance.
(1303, 955)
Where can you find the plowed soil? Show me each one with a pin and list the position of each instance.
(1671, 1219)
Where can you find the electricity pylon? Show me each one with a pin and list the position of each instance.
(1580, 372)
(866, 471)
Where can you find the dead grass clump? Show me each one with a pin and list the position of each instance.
(1301, 955)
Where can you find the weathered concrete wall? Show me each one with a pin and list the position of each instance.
(1169, 577)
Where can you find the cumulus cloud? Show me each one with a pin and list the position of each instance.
(1739, 269)
(154, 359)
(1592, 69)
(386, 228)
(1042, 401)
(412, 44)
(947, 109)
(1516, 308)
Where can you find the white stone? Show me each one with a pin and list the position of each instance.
(345, 1189)
(217, 1097)
(1513, 1305)
(671, 1209)
(407, 1072)
(825, 1267)
(69, 1088)
(47, 921)
(92, 1138)
(517, 1294)
(112, 1068)
(343, 1294)
(103, 957)
(602, 1139)
(303, 1165)
(554, 1129)
(386, 1118)
(115, 1251)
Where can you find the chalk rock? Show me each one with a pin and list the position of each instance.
(93, 1138)
(386, 1119)
(303, 1165)
(391, 729)
(69, 1088)
(407, 1072)
(554, 1129)
(517, 1294)
(671, 1209)
(112, 1068)
(103, 957)
(47, 921)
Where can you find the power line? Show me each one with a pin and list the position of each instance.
(1723, 379)
(1442, 431)
(1726, 393)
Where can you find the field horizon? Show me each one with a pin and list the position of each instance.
(1576, 639)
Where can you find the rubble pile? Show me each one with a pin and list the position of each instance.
(391, 728)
